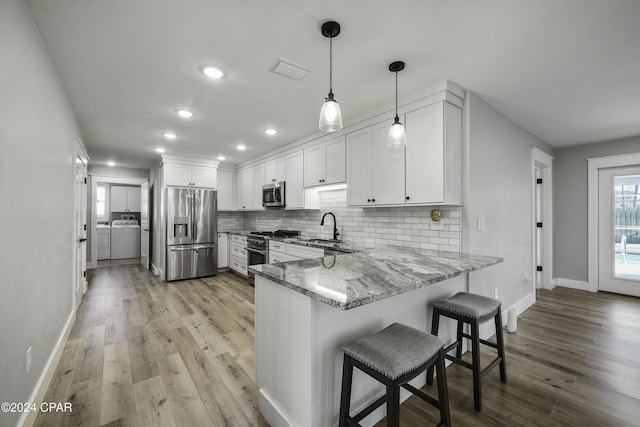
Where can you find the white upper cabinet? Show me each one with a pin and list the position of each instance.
(125, 199)
(250, 182)
(376, 172)
(226, 190)
(434, 161)
(325, 163)
(359, 159)
(275, 170)
(387, 168)
(189, 176)
(294, 186)
(258, 182)
(426, 171)
(245, 184)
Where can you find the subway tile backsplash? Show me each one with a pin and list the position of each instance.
(409, 226)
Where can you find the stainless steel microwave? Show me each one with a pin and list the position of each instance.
(273, 195)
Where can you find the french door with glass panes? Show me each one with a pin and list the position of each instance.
(619, 230)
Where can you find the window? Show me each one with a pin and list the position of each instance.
(102, 202)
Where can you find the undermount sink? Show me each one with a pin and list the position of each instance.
(323, 241)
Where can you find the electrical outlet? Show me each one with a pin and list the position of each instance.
(495, 293)
(28, 359)
(481, 224)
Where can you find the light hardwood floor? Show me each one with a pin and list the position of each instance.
(144, 352)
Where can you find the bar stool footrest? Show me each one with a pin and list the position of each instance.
(422, 395)
(369, 409)
(459, 361)
(490, 366)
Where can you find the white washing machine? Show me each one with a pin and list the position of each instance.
(125, 239)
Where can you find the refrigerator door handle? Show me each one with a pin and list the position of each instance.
(195, 221)
(181, 248)
(204, 246)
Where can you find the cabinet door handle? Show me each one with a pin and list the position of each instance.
(369, 200)
(319, 180)
(373, 200)
(407, 197)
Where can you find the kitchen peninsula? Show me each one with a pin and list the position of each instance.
(307, 310)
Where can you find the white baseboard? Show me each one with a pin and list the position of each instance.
(37, 396)
(573, 284)
(487, 329)
(271, 412)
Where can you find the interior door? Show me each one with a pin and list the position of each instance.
(80, 232)
(619, 230)
(144, 225)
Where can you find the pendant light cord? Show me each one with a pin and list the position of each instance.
(396, 95)
(331, 65)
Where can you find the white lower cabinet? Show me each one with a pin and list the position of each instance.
(238, 254)
(281, 252)
(277, 251)
(104, 243)
(223, 250)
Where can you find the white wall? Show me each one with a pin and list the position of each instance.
(570, 204)
(118, 172)
(497, 187)
(37, 131)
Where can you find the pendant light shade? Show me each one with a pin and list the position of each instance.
(397, 135)
(330, 115)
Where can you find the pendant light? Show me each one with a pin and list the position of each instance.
(397, 135)
(330, 115)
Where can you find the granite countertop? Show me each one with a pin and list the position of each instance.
(350, 280)
(241, 232)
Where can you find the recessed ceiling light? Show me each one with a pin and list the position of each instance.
(160, 150)
(184, 113)
(222, 158)
(271, 131)
(212, 72)
(170, 135)
(111, 163)
(241, 147)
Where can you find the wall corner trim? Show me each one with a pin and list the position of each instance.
(37, 396)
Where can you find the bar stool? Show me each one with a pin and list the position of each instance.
(471, 309)
(394, 356)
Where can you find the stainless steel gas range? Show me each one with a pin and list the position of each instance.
(258, 246)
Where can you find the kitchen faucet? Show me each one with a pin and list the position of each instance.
(335, 226)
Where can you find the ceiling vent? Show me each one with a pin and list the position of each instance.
(289, 69)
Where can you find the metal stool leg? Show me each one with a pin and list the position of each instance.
(500, 343)
(345, 398)
(393, 404)
(459, 339)
(475, 345)
(435, 324)
(443, 393)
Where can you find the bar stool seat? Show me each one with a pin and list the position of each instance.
(472, 309)
(394, 356)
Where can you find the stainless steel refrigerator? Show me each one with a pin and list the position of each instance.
(192, 233)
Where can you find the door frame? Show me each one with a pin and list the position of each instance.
(544, 162)
(593, 167)
(80, 156)
(94, 217)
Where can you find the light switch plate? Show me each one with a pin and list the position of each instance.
(481, 224)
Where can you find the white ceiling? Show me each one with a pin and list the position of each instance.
(567, 71)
